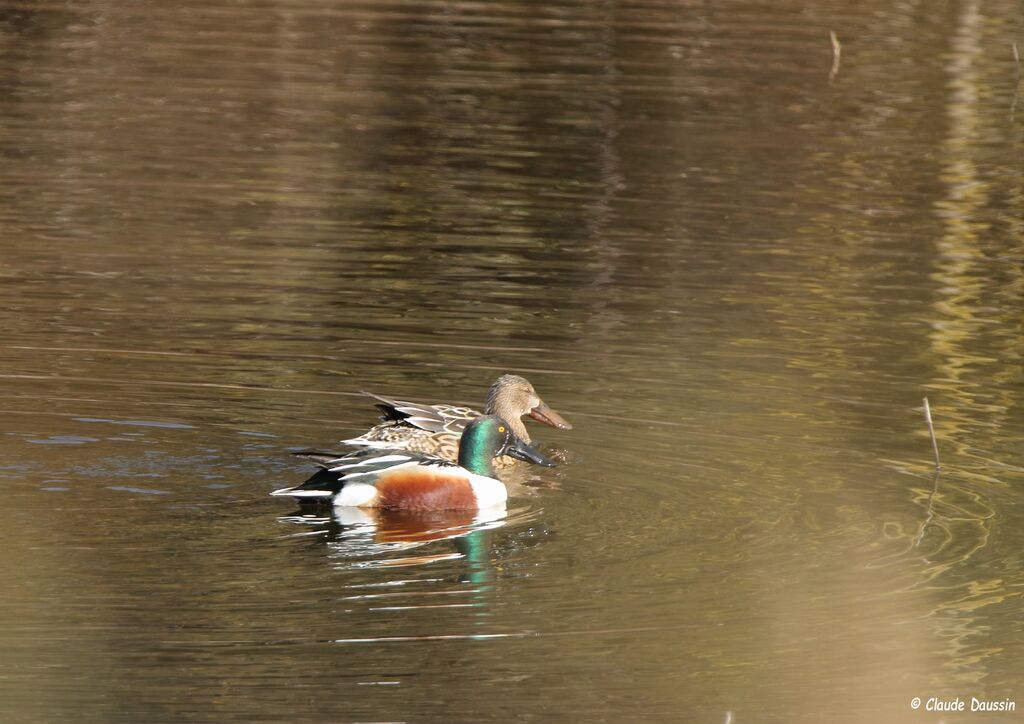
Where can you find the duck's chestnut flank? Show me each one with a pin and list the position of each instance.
(421, 489)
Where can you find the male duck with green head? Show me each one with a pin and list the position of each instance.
(400, 480)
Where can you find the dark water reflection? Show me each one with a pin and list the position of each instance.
(737, 277)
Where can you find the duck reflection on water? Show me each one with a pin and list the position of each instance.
(373, 538)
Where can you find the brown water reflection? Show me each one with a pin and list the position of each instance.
(738, 278)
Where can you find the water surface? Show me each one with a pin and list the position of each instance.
(736, 268)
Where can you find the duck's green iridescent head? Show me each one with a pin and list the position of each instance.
(487, 437)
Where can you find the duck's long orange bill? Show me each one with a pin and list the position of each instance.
(543, 413)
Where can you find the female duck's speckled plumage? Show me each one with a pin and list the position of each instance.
(410, 481)
(435, 429)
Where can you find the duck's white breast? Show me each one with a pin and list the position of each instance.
(488, 491)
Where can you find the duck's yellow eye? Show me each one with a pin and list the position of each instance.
(501, 429)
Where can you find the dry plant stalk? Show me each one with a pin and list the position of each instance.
(837, 54)
(931, 432)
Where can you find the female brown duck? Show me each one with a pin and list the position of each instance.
(436, 429)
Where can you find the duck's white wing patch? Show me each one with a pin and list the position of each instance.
(342, 465)
(378, 473)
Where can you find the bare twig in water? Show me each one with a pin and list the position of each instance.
(837, 54)
(1016, 89)
(938, 471)
(931, 431)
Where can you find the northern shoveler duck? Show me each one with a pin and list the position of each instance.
(412, 481)
(435, 429)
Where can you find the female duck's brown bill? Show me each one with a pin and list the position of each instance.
(543, 413)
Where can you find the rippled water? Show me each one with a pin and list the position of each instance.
(735, 264)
